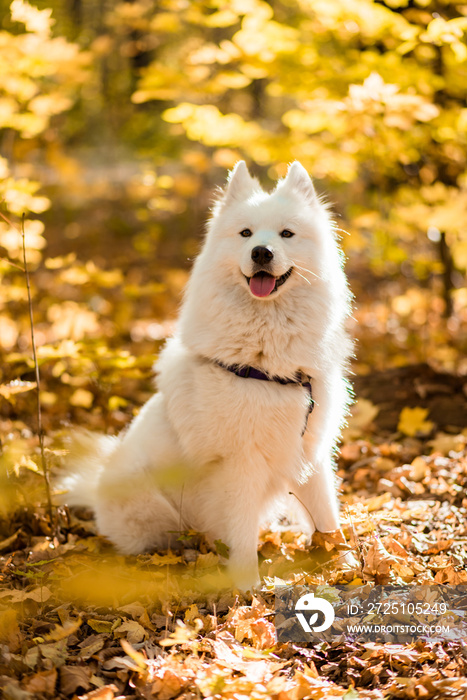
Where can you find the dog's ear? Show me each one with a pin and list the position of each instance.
(240, 183)
(297, 179)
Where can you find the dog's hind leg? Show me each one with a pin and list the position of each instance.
(138, 523)
(138, 494)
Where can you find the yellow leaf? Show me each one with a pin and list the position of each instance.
(182, 633)
(132, 630)
(35, 20)
(9, 629)
(362, 414)
(165, 559)
(59, 632)
(205, 561)
(15, 387)
(412, 421)
(191, 613)
(100, 626)
(223, 18)
(137, 657)
(82, 398)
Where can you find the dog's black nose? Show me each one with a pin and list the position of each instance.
(261, 255)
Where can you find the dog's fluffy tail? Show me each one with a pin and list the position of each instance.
(85, 462)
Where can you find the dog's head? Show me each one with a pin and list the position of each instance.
(269, 242)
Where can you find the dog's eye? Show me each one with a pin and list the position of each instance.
(286, 233)
(246, 233)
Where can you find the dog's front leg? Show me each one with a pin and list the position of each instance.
(319, 494)
(233, 516)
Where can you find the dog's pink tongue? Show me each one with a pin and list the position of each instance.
(262, 285)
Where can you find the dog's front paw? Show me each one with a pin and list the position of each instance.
(245, 585)
(244, 579)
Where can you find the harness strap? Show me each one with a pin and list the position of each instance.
(301, 379)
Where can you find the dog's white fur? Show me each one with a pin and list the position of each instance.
(211, 451)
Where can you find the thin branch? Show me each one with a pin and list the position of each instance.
(40, 431)
(9, 262)
(291, 493)
(10, 223)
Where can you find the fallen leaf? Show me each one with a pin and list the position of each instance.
(132, 630)
(82, 398)
(378, 562)
(56, 653)
(412, 422)
(42, 682)
(15, 387)
(10, 633)
(91, 645)
(6, 544)
(451, 576)
(362, 414)
(100, 626)
(136, 656)
(74, 677)
(107, 692)
(70, 627)
(41, 594)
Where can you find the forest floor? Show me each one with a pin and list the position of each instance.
(79, 621)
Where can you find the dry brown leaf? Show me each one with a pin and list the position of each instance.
(378, 562)
(452, 576)
(10, 633)
(329, 540)
(393, 546)
(107, 692)
(74, 677)
(171, 680)
(41, 594)
(263, 633)
(6, 544)
(231, 656)
(43, 682)
(440, 546)
(132, 630)
(91, 645)
(137, 657)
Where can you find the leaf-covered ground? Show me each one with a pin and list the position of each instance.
(76, 620)
(79, 621)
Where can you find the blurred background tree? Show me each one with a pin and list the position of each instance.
(118, 119)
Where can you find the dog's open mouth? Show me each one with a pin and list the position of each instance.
(262, 284)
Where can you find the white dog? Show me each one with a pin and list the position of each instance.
(261, 329)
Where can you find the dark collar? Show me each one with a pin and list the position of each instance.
(248, 372)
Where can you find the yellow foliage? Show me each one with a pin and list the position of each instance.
(35, 20)
(82, 398)
(412, 421)
(207, 124)
(11, 239)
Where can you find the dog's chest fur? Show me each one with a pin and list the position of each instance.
(244, 416)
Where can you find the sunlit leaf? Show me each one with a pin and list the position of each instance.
(16, 387)
(412, 421)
